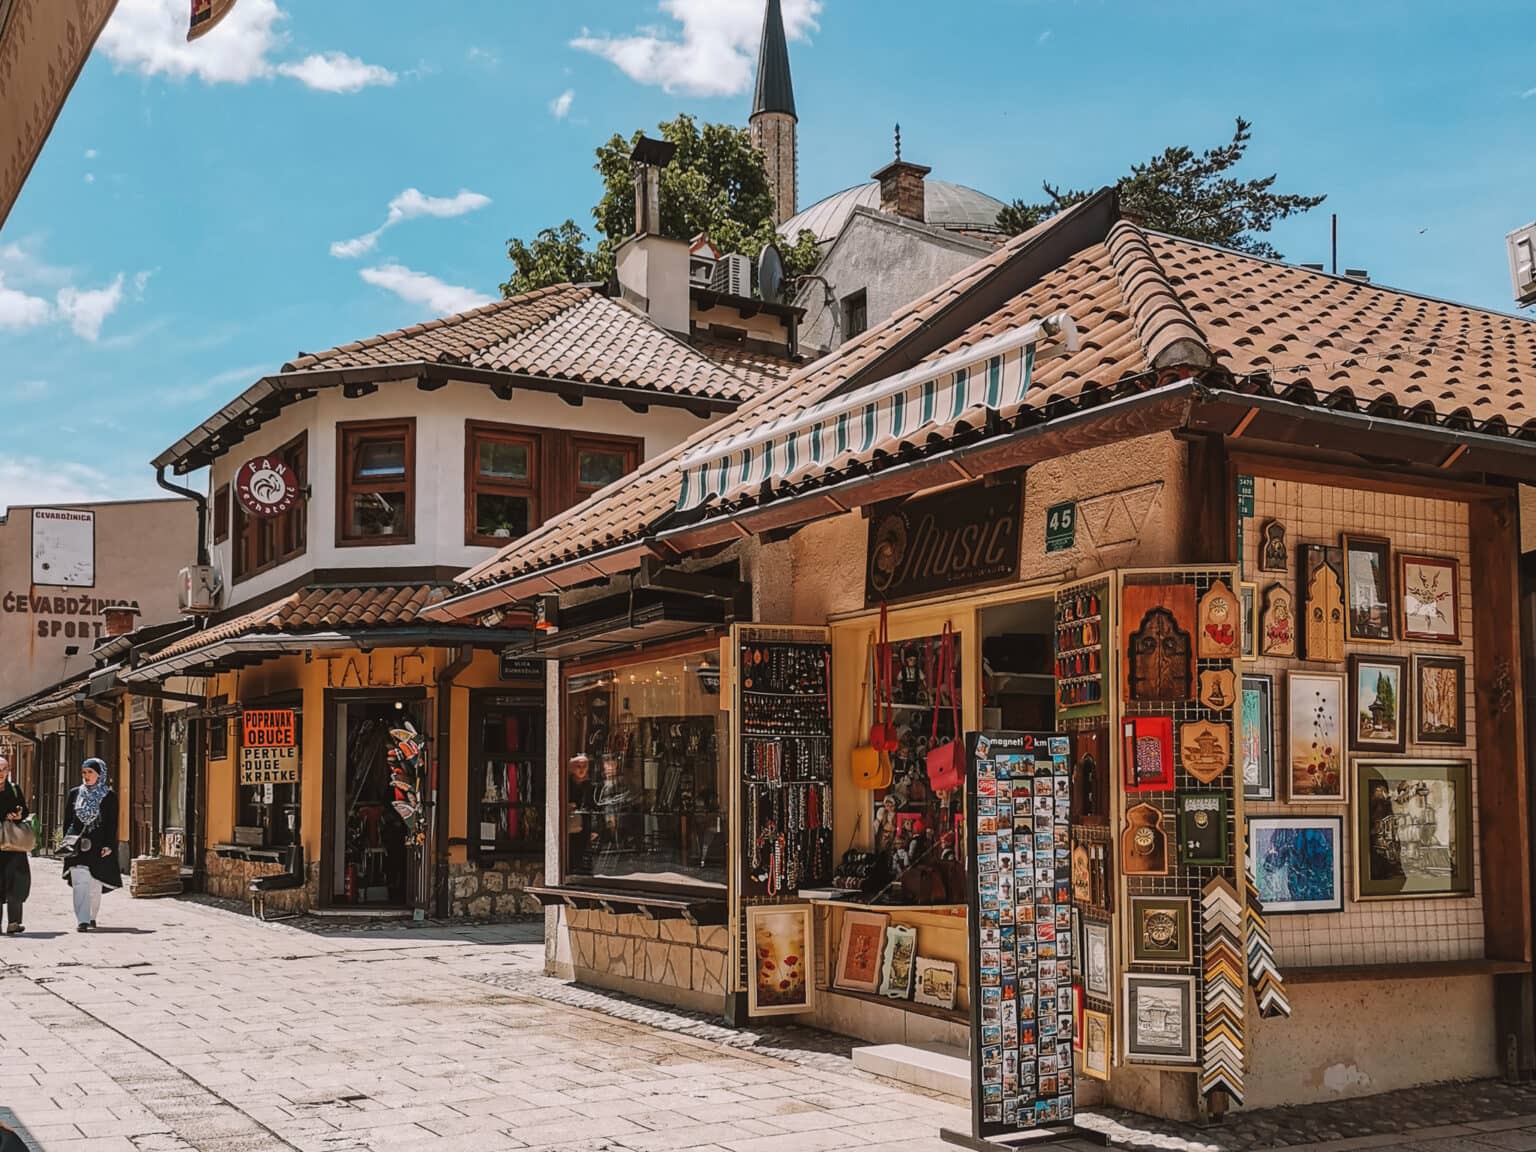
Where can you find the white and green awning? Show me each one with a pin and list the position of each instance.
(993, 375)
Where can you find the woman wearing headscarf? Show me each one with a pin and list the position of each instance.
(15, 869)
(90, 866)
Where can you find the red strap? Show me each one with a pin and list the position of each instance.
(935, 677)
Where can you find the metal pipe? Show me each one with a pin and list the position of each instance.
(202, 511)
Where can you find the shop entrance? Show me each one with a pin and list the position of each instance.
(1018, 683)
(143, 788)
(370, 853)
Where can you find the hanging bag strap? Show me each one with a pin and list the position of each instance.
(951, 676)
(859, 731)
(935, 679)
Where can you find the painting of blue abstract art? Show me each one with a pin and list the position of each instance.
(1297, 862)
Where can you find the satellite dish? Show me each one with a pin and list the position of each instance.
(770, 273)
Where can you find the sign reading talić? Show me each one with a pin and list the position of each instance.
(952, 539)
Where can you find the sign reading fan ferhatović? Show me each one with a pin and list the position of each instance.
(269, 747)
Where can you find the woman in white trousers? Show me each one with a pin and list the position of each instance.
(90, 840)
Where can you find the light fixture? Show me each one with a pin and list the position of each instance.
(492, 618)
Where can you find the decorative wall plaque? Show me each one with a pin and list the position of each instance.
(1160, 620)
(1272, 551)
(1147, 753)
(1205, 748)
(1322, 629)
(1082, 875)
(1218, 690)
(1277, 623)
(1144, 844)
(1220, 619)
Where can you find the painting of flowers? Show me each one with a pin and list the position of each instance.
(1296, 862)
(779, 939)
(1315, 737)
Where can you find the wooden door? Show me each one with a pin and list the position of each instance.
(142, 790)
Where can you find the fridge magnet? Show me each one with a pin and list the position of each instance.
(1202, 827)
(1429, 598)
(860, 950)
(1160, 930)
(1322, 613)
(899, 967)
(1297, 862)
(1440, 700)
(1147, 753)
(1144, 844)
(1096, 958)
(1368, 588)
(1205, 747)
(1159, 646)
(779, 940)
(1413, 828)
(1277, 622)
(1218, 689)
(1256, 738)
(1160, 1018)
(1096, 1045)
(1274, 556)
(937, 981)
(1376, 720)
(1314, 728)
(1219, 617)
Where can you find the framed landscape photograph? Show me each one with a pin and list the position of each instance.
(936, 982)
(1256, 737)
(1096, 959)
(860, 950)
(1429, 598)
(1439, 700)
(1368, 589)
(1377, 722)
(1297, 862)
(779, 942)
(1314, 728)
(1413, 828)
(1160, 930)
(1159, 1014)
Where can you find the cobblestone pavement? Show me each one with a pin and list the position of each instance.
(182, 1025)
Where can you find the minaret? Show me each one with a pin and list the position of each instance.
(773, 114)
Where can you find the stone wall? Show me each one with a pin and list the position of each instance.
(230, 880)
(493, 891)
(668, 961)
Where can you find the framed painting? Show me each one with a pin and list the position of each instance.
(1096, 959)
(1160, 930)
(1429, 598)
(1248, 606)
(1297, 862)
(1314, 729)
(1376, 703)
(1413, 828)
(900, 963)
(1439, 700)
(1096, 1044)
(1368, 589)
(779, 941)
(937, 981)
(860, 950)
(1159, 1018)
(1256, 737)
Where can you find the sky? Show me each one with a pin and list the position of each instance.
(314, 172)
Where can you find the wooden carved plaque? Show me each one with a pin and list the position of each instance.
(1082, 876)
(1205, 748)
(1159, 623)
(1218, 689)
(1272, 551)
(1277, 623)
(1144, 844)
(1323, 618)
(1220, 624)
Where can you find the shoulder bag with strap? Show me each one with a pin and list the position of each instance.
(946, 762)
(869, 766)
(882, 734)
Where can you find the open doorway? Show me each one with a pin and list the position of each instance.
(370, 843)
(1018, 684)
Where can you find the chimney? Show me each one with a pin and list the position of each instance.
(902, 192)
(649, 158)
(120, 619)
(652, 269)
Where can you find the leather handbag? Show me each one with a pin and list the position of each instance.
(869, 766)
(882, 734)
(946, 762)
(17, 836)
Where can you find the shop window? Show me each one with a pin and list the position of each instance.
(262, 542)
(377, 488)
(645, 783)
(221, 514)
(506, 777)
(855, 314)
(502, 484)
(600, 462)
(273, 808)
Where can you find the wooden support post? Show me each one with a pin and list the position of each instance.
(1209, 527)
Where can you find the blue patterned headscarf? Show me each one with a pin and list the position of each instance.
(88, 802)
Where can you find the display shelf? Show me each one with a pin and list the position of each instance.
(952, 1015)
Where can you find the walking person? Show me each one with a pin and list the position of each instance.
(90, 842)
(16, 841)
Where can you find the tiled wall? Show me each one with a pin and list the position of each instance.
(1375, 932)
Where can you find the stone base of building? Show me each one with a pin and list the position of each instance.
(493, 891)
(230, 880)
(666, 961)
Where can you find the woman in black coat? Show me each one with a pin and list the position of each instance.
(90, 814)
(15, 869)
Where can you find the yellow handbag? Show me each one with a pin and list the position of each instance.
(870, 766)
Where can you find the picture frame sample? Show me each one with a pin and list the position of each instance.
(1096, 978)
(1202, 828)
(1159, 1016)
(1096, 1033)
(1378, 718)
(779, 940)
(1147, 753)
(900, 962)
(1248, 602)
(937, 983)
(1429, 598)
(1298, 862)
(1161, 931)
(861, 951)
(1077, 1018)
(1367, 589)
(1439, 700)
(1412, 823)
(1314, 730)
(1256, 737)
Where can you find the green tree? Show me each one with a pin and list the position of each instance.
(715, 184)
(1186, 194)
(1386, 696)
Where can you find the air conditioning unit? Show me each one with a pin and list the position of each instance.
(1522, 263)
(733, 275)
(200, 590)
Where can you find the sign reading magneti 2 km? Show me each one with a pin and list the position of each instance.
(952, 539)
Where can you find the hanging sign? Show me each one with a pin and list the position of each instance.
(1245, 497)
(1061, 527)
(953, 539)
(269, 747)
(266, 487)
(515, 669)
(205, 15)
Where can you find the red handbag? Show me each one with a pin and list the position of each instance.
(946, 762)
(882, 734)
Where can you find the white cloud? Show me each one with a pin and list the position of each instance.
(28, 480)
(715, 52)
(419, 288)
(560, 106)
(86, 311)
(410, 205)
(337, 72)
(1528, 93)
(29, 389)
(1044, 36)
(219, 385)
(20, 310)
(482, 56)
(90, 153)
(90, 177)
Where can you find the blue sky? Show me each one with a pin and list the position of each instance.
(186, 228)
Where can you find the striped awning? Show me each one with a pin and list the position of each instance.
(991, 376)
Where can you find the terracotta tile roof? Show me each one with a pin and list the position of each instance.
(1144, 303)
(562, 332)
(48, 700)
(763, 369)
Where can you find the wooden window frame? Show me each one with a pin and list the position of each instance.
(859, 301)
(632, 447)
(294, 523)
(348, 433)
(534, 489)
(221, 514)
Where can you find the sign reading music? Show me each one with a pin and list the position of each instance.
(952, 539)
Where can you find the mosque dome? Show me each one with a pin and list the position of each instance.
(950, 206)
